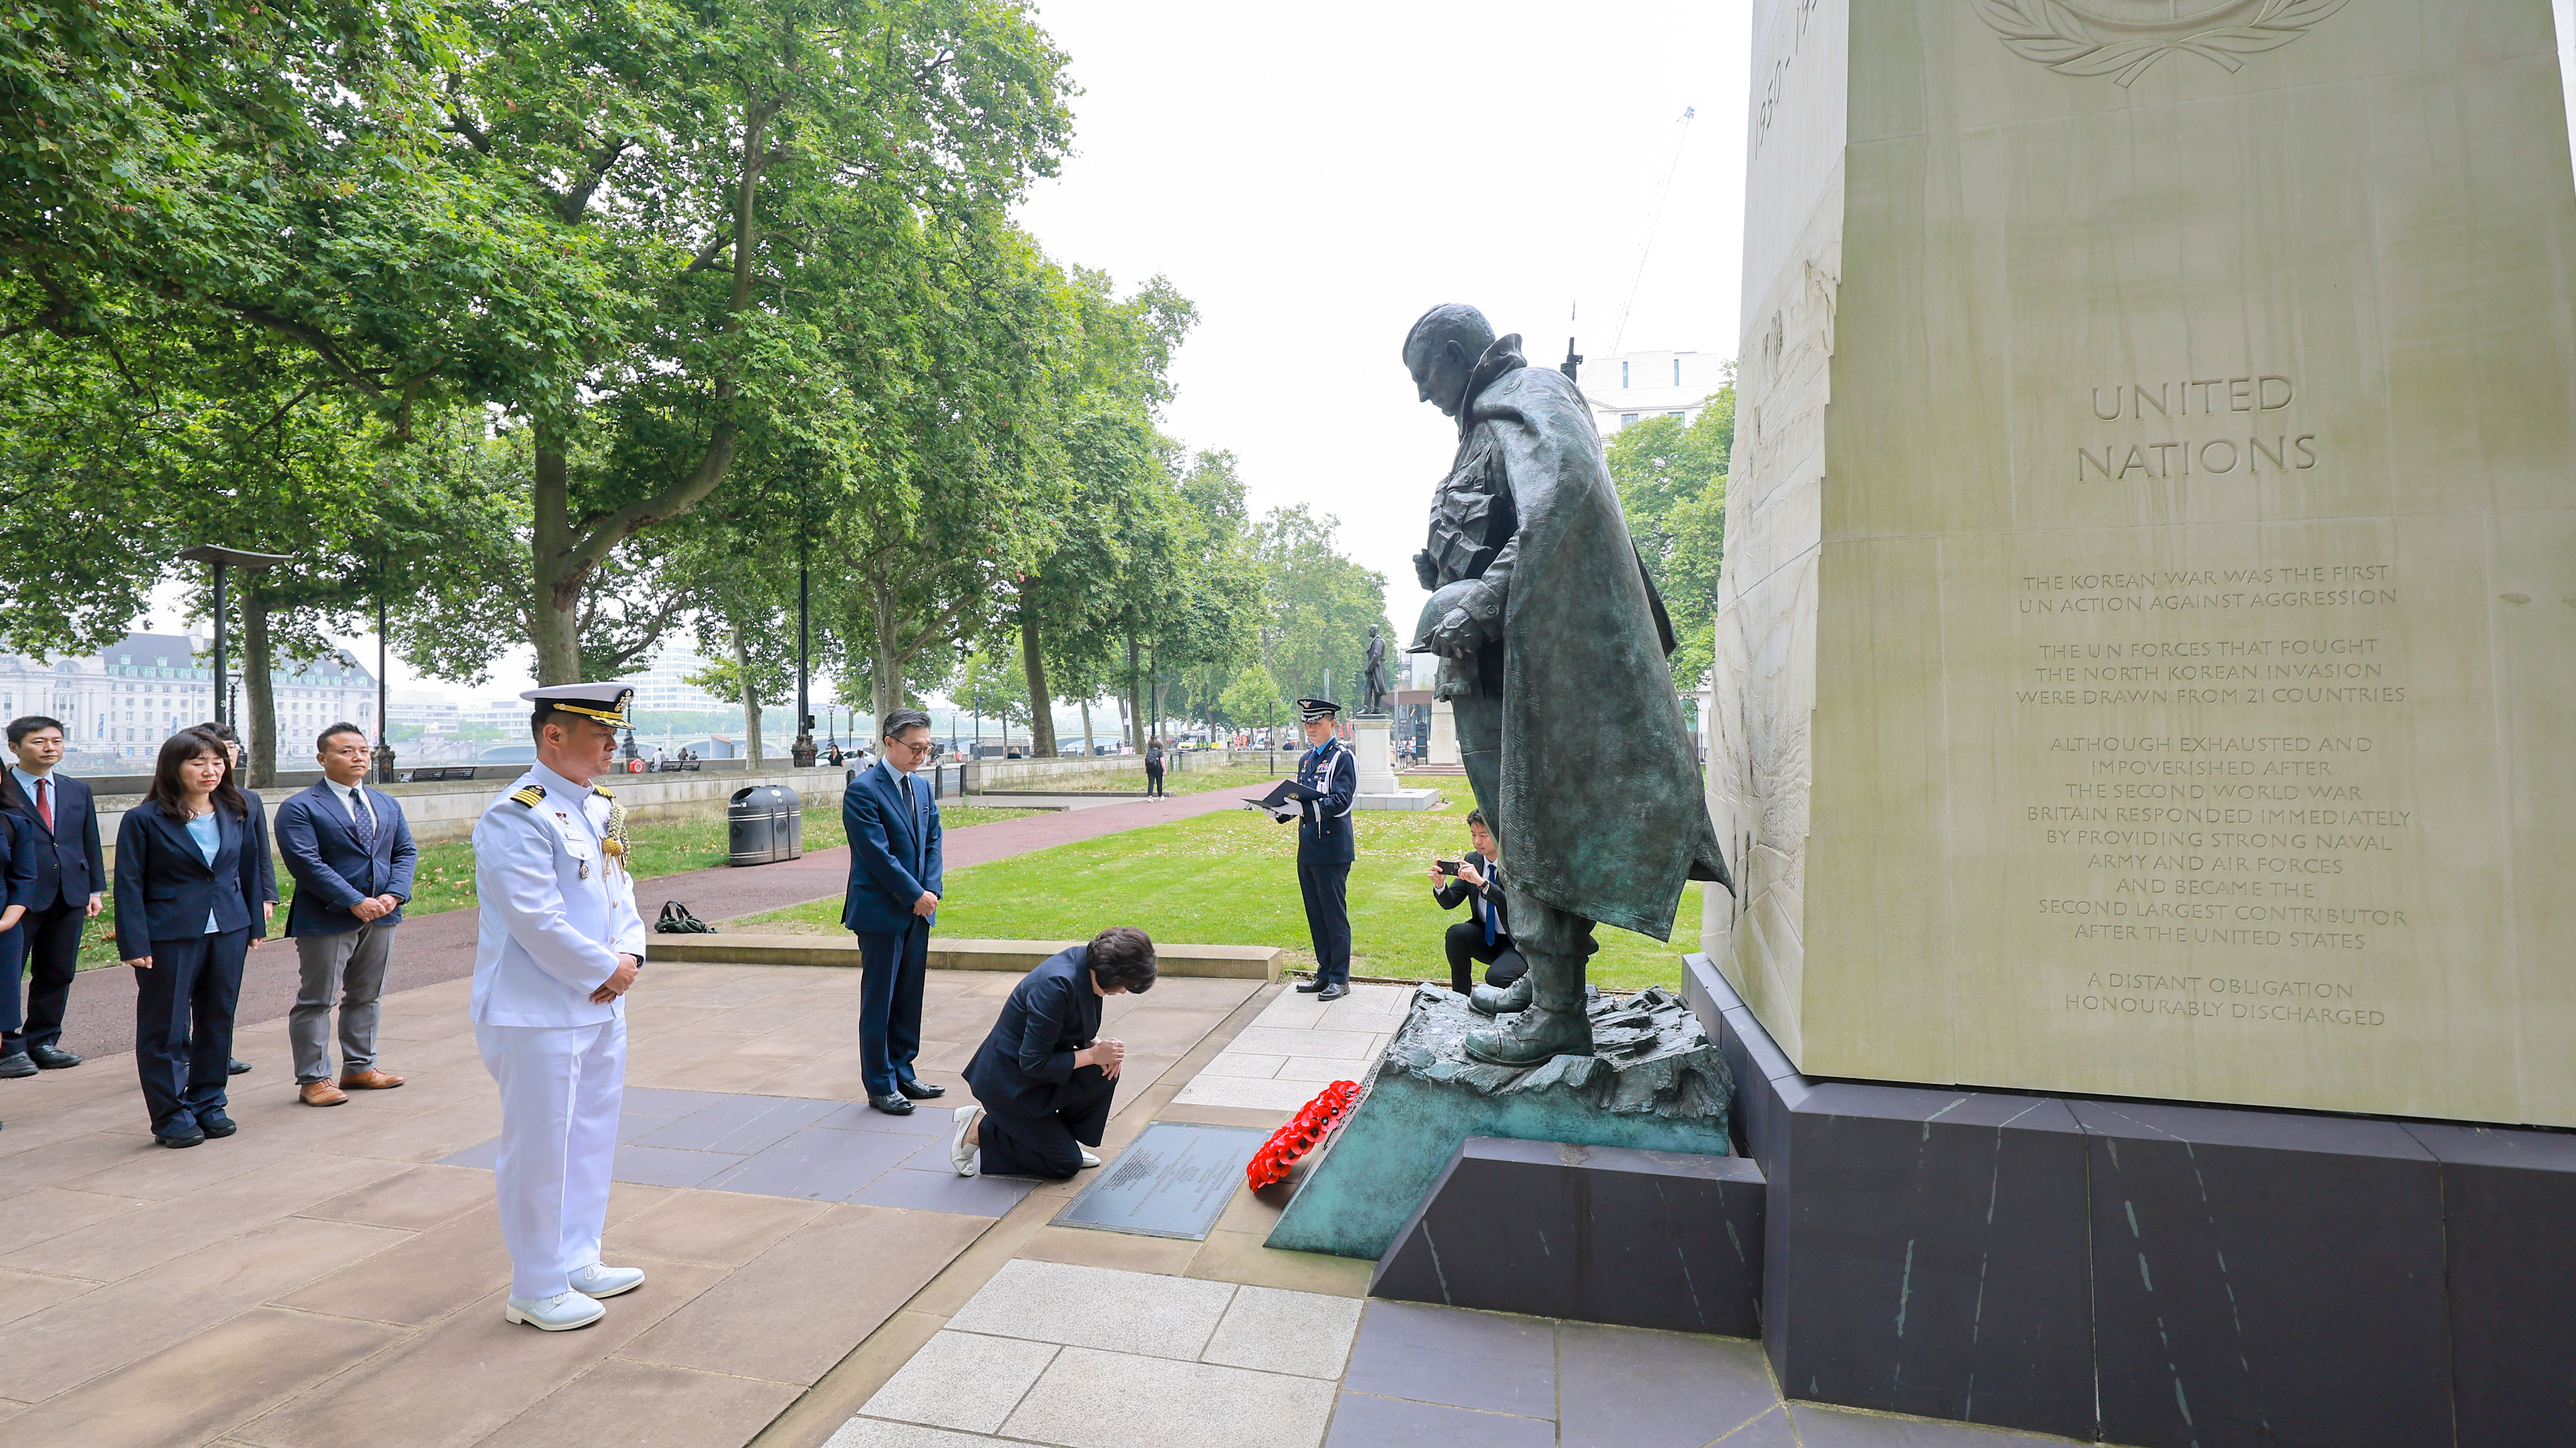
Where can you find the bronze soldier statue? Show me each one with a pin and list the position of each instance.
(1552, 644)
(1373, 688)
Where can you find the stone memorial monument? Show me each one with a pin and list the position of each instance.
(2145, 661)
(2144, 647)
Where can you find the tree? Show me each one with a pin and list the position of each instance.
(1102, 466)
(1321, 603)
(715, 164)
(1253, 700)
(1672, 487)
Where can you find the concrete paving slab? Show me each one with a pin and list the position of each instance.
(1130, 1312)
(963, 1380)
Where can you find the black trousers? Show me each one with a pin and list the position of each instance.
(50, 942)
(183, 1023)
(1050, 1146)
(891, 971)
(1328, 916)
(1466, 945)
(1153, 781)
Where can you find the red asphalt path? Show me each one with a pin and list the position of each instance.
(433, 948)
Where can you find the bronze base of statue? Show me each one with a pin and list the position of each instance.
(1502, 1000)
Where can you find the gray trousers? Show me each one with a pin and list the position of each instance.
(351, 966)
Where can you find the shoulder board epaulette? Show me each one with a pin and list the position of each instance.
(603, 794)
(529, 796)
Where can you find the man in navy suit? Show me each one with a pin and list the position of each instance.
(71, 876)
(351, 855)
(893, 899)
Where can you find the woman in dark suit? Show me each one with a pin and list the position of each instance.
(258, 812)
(1043, 1076)
(191, 866)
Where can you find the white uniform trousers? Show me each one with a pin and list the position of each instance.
(560, 1088)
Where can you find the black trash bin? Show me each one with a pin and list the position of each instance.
(764, 824)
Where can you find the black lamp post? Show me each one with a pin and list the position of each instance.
(218, 559)
(802, 751)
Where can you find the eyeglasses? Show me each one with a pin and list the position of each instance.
(917, 746)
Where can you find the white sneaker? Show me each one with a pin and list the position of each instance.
(961, 1150)
(1088, 1159)
(560, 1313)
(601, 1280)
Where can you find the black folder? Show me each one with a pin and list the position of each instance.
(1281, 793)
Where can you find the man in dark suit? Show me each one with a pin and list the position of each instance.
(1044, 1077)
(892, 901)
(71, 878)
(1486, 936)
(351, 855)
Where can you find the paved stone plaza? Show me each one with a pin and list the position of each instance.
(333, 1277)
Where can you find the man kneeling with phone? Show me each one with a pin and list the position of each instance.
(1485, 937)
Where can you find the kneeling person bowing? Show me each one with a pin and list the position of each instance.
(1044, 1075)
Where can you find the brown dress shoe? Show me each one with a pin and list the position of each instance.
(320, 1093)
(370, 1079)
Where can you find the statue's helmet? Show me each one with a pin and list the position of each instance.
(1436, 608)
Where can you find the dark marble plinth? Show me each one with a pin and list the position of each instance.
(1597, 1234)
(2156, 1273)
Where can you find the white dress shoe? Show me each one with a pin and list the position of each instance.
(961, 1146)
(600, 1280)
(1088, 1159)
(559, 1313)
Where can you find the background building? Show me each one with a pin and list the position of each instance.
(1633, 386)
(119, 704)
(662, 689)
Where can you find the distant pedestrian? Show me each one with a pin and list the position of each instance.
(1153, 769)
(351, 854)
(188, 886)
(60, 819)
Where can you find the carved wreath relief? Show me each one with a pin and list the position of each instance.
(2122, 38)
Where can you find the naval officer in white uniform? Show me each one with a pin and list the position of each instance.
(557, 945)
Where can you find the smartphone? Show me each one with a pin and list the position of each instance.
(1447, 867)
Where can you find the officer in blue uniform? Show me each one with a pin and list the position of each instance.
(1325, 848)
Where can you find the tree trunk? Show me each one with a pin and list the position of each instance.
(1041, 704)
(259, 746)
(750, 699)
(1135, 700)
(1086, 728)
(885, 682)
(554, 603)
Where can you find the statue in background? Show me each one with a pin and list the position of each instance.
(1552, 644)
(1373, 688)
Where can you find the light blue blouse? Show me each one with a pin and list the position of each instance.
(209, 836)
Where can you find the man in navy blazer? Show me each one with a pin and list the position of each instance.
(61, 820)
(352, 856)
(892, 901)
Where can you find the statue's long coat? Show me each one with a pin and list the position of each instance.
(1601, 806)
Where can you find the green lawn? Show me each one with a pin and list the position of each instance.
(1230, 878)
(443, 876)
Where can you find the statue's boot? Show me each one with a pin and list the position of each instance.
(1553, 1025)
(1502, 1000)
